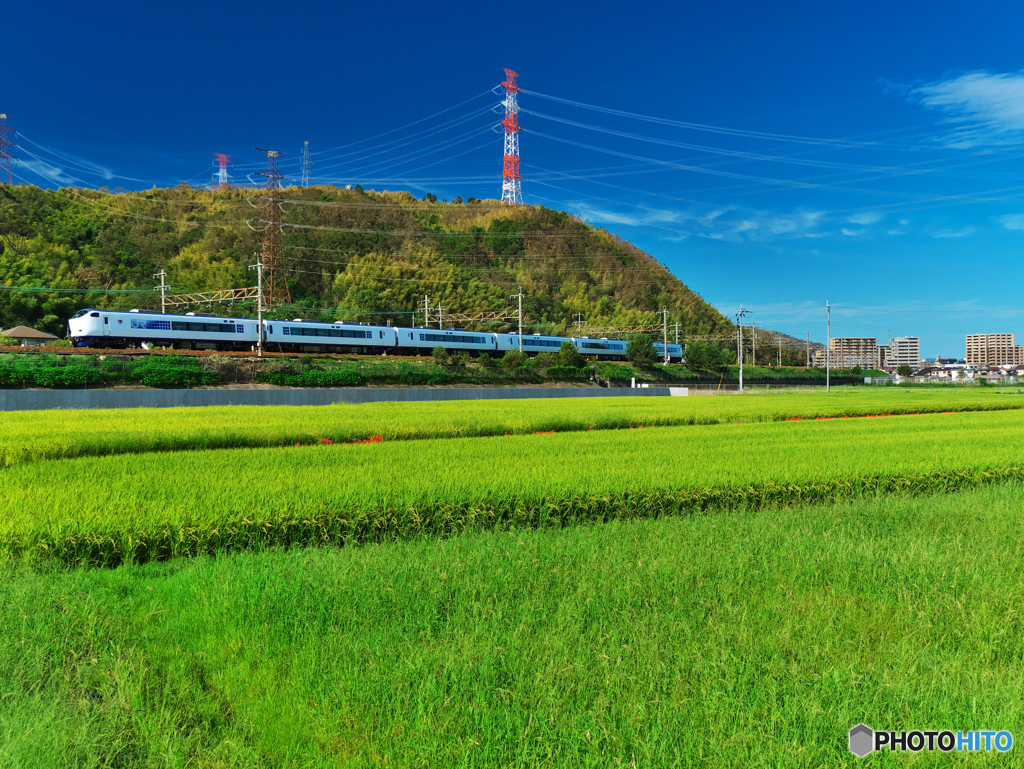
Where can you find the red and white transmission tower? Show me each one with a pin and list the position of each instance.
(222, 175)
(6, 153)
(511, 184)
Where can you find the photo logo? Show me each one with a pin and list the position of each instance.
(864, 740)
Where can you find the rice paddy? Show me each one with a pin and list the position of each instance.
(152, 506)
(733, 640)
(38, 435)
(735, 581)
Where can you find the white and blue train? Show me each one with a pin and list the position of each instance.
(107, 329)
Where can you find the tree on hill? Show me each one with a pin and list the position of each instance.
(641, 351)
(703, 356)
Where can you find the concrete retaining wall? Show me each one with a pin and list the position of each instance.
(31, 400)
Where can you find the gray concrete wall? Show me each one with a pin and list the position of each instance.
(31, 400)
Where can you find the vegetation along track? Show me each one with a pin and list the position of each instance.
(106, 510)
(40, 435)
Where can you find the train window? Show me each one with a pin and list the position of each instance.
(106, 320)
(94, 314)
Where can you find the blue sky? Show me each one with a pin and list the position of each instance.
(774, 155)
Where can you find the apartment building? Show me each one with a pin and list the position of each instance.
(992, 349)
(849, 351)
(904, 350)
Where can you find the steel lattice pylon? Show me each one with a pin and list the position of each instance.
(307, 164)
(6, 151)
(511, 183)
(275, 283)
(222, 174)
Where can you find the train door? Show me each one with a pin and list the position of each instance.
(106, 325)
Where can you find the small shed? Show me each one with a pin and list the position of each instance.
(28, 337)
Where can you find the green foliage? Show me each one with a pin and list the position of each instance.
(569, 373)
(640, 351)
(313, 378)
(904, 370)
(440, 354)
(6, 341)
(704, 356)
(569, 356)
(513, 359)
(486, 361)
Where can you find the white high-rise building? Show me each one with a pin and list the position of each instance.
(904, 350)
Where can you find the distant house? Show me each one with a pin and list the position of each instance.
(28, 337)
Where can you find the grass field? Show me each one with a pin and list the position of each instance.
(141, 507)
(30, 436)
(741, 640)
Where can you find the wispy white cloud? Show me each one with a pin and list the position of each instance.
(1012, 221)
(866, 218)
(47, 171)
(961, 233)
(988, 107)
(852, 233)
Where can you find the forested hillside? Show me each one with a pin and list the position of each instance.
(350, 254)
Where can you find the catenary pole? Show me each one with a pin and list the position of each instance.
(664, 313)
(162, 288)
(259, 305)
(519, 296)
(739, 318)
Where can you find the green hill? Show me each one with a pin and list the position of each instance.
(350, 254)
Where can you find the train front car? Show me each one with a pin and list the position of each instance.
(422, 341)
(103, 328)
(675, 351)
(311, 336)
(85, 327)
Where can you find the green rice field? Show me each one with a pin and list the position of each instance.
(735, 640)
(141, 507)
(734, 582)
(29, 436)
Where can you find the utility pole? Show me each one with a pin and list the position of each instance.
(426, 311)
(162, 288)
(664, 314)
(753, 344)
(519, 296)
(807, 351)
(828, 348)
(780, 350)
(259, 303)
(677, 332)
(579, 324)
(739, 319)
(440, 316)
